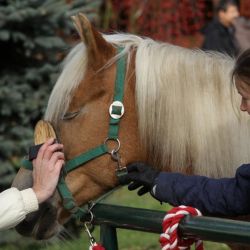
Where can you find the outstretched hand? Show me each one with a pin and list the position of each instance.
(140, 176)
(46, 169)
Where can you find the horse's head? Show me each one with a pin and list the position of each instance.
(79, 110)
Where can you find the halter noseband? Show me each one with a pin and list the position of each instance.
(116, 111)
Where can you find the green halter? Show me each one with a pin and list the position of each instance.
(116, 111)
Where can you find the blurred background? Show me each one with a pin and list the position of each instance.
(35, 36)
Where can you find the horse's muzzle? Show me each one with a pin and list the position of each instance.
(41, 224)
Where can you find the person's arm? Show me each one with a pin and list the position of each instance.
(225, 196)
(15, 204)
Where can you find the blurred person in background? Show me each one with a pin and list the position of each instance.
(219, 34)
(15, 204)
(242, 32)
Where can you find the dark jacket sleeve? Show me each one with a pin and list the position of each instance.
(226, 196)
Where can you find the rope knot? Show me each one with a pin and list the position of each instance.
(96, 246)
(169, 239)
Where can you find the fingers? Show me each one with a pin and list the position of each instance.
(49, 154)
(127, 178)
(137, 167)
(142, 191)
(59, 165)
(43, 149)
(124, 179)
(134, 185)
(55, 158)
(47, 167)
(51, 149)
(132, 167)
(47, 150)
(133, 176)
(140, 174)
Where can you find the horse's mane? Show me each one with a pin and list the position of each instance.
(184, 104)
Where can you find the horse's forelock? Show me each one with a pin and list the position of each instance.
(74, 67)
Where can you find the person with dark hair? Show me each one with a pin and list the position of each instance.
(225, 196)
(219, 33)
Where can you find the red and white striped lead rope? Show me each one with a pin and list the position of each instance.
(169, 239)
(96, 246)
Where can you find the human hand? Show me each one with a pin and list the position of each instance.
(46, 169)
(141, 175)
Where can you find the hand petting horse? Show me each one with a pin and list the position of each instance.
(178, 112)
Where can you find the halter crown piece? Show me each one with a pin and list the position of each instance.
(116, 111)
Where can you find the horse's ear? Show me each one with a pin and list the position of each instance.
(96, 45)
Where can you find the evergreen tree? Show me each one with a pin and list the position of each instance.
(32, 42)
(34, 37)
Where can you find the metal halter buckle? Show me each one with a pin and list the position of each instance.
(117, 147)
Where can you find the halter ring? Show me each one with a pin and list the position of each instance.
(115, 150)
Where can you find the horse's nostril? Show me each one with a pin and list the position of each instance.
(40, 224)
(47, 222)
(48, 212)
(26, 227)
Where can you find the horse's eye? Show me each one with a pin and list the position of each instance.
(71, 115)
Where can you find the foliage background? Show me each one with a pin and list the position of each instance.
(33, 40)
(34, 37)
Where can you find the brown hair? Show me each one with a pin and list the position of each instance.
(242, 67)
(223, 5)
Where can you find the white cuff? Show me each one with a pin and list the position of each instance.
(153, 191)
(29, 200)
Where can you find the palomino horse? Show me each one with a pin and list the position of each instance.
(180, 115)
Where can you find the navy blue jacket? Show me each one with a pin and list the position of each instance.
(225, 196)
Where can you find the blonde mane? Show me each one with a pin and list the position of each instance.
(184, 105)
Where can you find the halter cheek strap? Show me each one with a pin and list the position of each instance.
(116, 111)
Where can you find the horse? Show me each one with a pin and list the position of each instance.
(181, 114)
